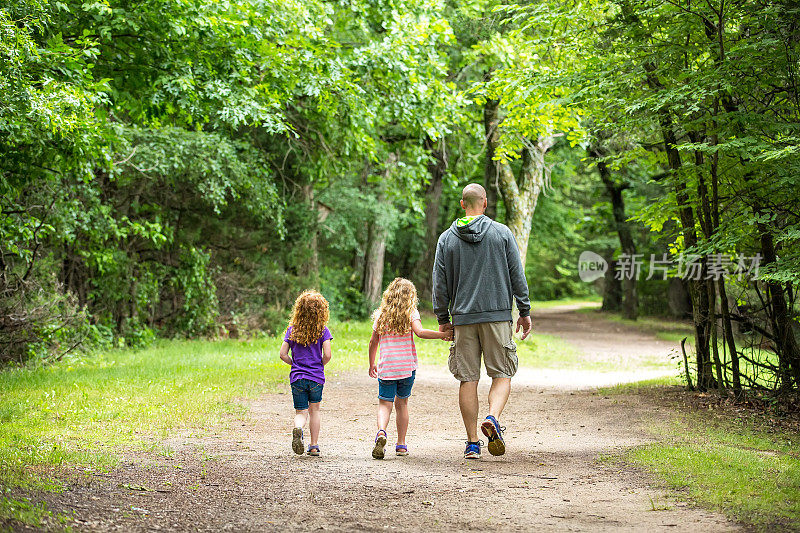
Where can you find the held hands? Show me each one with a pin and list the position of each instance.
(525, 324)
(447, 330)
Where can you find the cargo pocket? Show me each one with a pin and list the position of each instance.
(512, 361)
(452, 360)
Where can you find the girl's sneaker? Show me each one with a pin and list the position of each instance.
(297, 441)
(313, 449)
(473, 450)
(380, 442)
(401, 450)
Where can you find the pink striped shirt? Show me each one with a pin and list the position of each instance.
(398, 355)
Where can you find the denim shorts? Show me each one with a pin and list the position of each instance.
(305, 391)
(389, 388)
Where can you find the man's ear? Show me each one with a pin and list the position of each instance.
(485, 203)
(462, 205)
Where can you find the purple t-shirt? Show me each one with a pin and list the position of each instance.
(307, 360)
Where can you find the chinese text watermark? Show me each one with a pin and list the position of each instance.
(592, 266)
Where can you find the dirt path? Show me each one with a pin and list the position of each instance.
(247, 479)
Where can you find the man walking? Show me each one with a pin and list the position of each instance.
(476, 273)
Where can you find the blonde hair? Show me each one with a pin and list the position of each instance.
(309, 317)
(398, 302)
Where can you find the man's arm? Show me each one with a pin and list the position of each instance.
(440, 296)
(519, 286)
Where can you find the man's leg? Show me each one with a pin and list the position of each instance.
(500, 357)
(468, 402)
(498, 396)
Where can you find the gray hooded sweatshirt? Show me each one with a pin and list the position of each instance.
(476, 272)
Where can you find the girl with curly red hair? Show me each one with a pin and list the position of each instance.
(309, 341)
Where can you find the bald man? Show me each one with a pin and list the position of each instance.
(477, 274)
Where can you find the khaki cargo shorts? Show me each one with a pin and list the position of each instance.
(495, 340)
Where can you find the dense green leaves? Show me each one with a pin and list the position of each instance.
(186, 166)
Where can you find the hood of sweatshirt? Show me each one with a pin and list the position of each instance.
(474, 231)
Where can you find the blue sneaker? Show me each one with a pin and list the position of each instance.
(473, 450)
(494, 433)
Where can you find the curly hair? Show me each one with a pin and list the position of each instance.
(309, 317)
(398, 302)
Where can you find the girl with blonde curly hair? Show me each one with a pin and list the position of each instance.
(309, 341)
(394, 324)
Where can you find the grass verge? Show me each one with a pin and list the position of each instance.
(724, 460)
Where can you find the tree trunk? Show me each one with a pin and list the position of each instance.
(437, 166)
(521, 194)
(785, 342)
(712, 324)
(612, 288)
(373, 264)
(697, 289)
(680, 304)
(727, 331)
(376, 245)
(492, 168)
(630, 306)
(311, 267)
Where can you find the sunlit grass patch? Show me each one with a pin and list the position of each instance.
(588, 302)
(638, 386)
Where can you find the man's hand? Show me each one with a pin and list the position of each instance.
(448, 328)
(524, 322)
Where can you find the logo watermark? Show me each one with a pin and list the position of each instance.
(592, 266)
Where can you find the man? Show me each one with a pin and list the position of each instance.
(476, 272)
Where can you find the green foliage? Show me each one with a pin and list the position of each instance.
(177, 168)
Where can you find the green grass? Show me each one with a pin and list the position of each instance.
(724, 463)
(35, 515)
(640, 386)
(591, 302)
(748, 474)
(663, 328)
